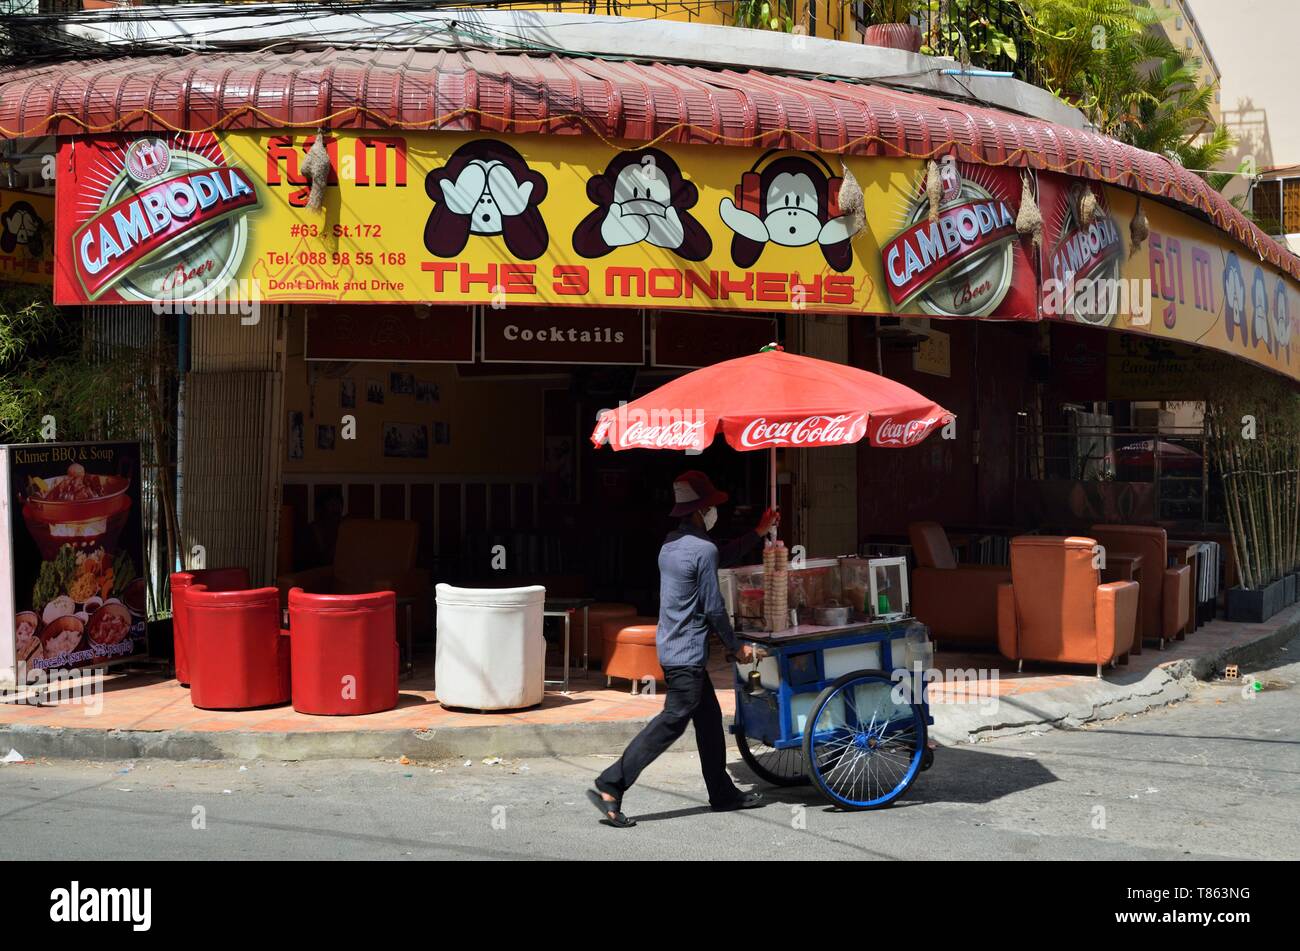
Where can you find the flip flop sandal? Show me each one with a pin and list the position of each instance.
(606, 806)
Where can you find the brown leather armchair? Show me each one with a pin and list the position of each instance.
(959, 603)
(1057, 609)
(370, 555)
(1165, 591)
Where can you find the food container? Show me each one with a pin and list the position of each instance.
(887, 587)
(111, 624)
(831, 614)
(813, 582)
(94, 518)
(26, 635)
(855, 584)
(63, 635)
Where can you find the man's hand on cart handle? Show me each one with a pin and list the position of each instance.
(748, 654)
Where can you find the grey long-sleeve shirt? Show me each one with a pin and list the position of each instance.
(690, 604)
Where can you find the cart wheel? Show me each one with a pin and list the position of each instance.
(778, 767)
(862, 748)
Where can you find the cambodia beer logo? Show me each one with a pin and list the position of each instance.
(162, 219)
(1083, 256)
(960, 264)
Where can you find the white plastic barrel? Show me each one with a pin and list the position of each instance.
(490, 651)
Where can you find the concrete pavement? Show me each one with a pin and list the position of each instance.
(1217, 775)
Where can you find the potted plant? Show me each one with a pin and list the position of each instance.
(894, 30)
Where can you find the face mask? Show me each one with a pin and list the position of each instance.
(710, 518)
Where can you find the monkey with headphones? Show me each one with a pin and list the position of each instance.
(789, 199)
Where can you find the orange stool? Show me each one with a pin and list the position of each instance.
(630, 652)
(597, 614)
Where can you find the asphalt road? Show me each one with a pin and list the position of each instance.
(1215, 776)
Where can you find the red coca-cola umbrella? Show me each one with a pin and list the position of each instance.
(769, 400)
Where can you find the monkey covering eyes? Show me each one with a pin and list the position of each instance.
(486, 188)
(642, 197)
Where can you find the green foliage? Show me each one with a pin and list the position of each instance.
(1252, 428)
(46, 370)
(776, 15)
(965, 23)
(1131, 82)
(894, 11)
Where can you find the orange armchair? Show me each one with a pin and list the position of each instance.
(1165, 591)
(1057, 609)
(959, 603)
(370, 555)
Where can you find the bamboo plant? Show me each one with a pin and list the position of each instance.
(1252, 430)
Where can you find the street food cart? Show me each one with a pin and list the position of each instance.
(830, 701)
(837, 696)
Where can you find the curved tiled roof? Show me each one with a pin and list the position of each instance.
(509, 92)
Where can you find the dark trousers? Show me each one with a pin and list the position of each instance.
(691, 699)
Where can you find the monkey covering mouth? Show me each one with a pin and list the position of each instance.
(642, 197)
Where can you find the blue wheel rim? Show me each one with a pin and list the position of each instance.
(866, 748)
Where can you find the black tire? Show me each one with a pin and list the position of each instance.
(777, 767)
(918, 742)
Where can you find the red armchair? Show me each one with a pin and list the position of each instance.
(214, 579)
(370, 554)
(1057, 609)
(344, 652)
(1165, 591)
(959, 603)
(238, 655)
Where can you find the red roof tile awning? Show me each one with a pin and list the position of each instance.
(498, 92)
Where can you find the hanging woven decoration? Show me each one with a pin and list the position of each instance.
(933, 189)
(1087, 208)
(1029, 220)
(851, 200)
(316, 166)
(1138, 229)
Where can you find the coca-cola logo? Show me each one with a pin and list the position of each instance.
(810, 431)
(678, 434)
(907, 433)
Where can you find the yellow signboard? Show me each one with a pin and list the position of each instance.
(551, 220)
(1205, 289)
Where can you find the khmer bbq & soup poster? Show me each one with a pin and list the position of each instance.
(73, 594)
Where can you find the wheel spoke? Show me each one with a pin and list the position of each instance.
(863, 748)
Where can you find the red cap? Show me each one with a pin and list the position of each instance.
(693, 491)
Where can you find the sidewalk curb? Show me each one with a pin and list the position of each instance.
(1059, 708)
(1104, 699)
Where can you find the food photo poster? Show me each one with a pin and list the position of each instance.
(75, 554)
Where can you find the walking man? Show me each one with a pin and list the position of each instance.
(690, 607)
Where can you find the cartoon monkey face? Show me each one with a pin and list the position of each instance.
(642, 196)
(792, 219)
(486, 188)
(1281, 315)
(643, 190)
(1234, 290)
(790, 203)
(21, 225)
(1259, 306)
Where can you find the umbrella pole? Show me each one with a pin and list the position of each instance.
(772, 492)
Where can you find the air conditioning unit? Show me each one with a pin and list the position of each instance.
(1152, 419)
(905, 331)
